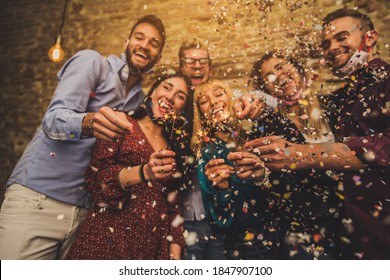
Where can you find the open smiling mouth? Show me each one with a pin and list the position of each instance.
(197, 77)
(165, 108)
(141, 55)
(218, 113)
(285, 83)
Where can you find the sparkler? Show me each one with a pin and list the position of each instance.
(170, 115)
(210, 123)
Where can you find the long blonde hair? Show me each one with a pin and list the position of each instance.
(198, 124)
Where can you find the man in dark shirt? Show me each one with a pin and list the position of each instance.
(362, 149)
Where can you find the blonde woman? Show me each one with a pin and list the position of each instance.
(236, 199)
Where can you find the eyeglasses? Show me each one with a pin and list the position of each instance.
(191, 61)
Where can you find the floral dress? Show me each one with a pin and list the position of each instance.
(136, 224)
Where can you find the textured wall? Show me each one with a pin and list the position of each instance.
(237, 31)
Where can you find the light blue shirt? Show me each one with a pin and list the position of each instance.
(55, 161)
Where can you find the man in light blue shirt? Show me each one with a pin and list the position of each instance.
(45, 200)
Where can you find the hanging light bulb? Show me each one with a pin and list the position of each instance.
(56, 53)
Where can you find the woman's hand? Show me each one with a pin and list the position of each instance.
(219, 173)
(161, 165)
(247, 165)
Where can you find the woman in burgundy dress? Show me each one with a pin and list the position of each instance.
(135, 205)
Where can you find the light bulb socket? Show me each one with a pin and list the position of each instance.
(58, 40)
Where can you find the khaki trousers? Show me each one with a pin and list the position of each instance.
(33, 226)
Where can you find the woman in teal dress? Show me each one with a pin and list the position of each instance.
(238, 200)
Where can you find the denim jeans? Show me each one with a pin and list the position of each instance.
(208, 245)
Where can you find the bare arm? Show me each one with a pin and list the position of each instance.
(281, 154)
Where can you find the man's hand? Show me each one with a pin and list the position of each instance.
(249, 106)
(276, 152)
(106, 124)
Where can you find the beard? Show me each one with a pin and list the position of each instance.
(356, 60)
(135, 68)
(335, 63)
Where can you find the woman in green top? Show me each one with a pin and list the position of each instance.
(237, 200)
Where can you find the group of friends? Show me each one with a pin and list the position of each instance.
(192, 171)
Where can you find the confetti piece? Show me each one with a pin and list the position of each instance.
(303, 102)
(177, 221)
(249, 236)
(177, 175)
(169, 238)
(94, 169)
(340, 195)
(271, 78)
(190, 238)
(60, 217)
(317, 237)
(190, 160)
(369, 156)
(316, 114)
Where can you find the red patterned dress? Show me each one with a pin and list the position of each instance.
(134, 224)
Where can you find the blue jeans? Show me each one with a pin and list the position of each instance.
(208, 245)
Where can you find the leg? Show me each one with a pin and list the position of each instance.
(33, 226)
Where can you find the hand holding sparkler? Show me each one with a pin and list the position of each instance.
(161, 164)
(247, 166)
(218, 172)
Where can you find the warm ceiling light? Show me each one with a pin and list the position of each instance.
(56, 53)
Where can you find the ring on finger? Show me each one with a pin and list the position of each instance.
(162, 171)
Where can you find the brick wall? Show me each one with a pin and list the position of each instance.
(238, 32)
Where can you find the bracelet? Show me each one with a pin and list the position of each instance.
(264, 183)
(120, 182)
(141, 173)
(91, 121)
